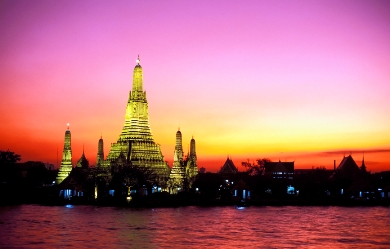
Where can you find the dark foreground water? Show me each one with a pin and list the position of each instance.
(34, 226)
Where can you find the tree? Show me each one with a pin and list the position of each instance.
(127, 175)
(8, 169)
(255, 168)
(8, 158)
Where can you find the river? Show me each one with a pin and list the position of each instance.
(35, 226)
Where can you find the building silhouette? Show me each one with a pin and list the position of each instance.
(228, 167)
(279, 170)
(83, 162)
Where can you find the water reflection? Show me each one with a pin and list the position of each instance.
(31, 226)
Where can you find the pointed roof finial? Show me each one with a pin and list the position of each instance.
(101, 136)
(138, 60)
(83, 148)
(68, 125)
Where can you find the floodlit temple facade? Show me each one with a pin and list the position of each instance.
(136, 148)
(135, 144)
(66, 163)
(184, 170)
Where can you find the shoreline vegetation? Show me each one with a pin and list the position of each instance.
(347, 185)
(165, 200)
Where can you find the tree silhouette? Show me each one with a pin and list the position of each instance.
(8, 169)
(255, 168)
(8, 158)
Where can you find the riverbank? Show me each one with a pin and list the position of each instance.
(173, 201)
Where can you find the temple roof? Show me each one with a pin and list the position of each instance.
(348, 165)
(83, 162)
(228, 167)
(279, 167)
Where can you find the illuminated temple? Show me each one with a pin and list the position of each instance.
(66, 163)
(184, 170)
(135, 145)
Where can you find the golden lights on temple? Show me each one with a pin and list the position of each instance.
(136, 146)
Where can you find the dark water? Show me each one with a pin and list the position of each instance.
(33, 226)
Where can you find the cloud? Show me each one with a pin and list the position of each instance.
(349, 152)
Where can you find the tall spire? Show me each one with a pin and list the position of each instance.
(192, 148)
(137, 77)
(100, 154)
(136, 138)
(66, 163)
(179, 146)
(363, 167)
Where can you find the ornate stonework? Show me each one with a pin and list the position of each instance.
(136, 142)
(191, 166)
(183, 172)
(66, 163)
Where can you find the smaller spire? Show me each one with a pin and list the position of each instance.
(138, 60)
(68, 125)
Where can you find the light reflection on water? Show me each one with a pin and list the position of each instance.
(33, 226)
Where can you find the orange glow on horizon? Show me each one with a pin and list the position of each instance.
(265, 79)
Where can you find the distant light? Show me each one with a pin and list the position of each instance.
(69, 206)
(379, 189)
(240, 207)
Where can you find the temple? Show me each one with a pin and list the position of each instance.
(83, 162)
(135, 144)
(100, 154)
(228, 167)
(184, 171)
(66, 163)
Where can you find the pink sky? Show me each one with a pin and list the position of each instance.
(289, 80)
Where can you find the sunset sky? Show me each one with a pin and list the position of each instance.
(303, 81)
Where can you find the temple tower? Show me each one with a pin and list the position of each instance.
(100, 154)
(177, 178)
(179, 146)
(136, 141)
(192, 167)
(66, 163)
(192, 148)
